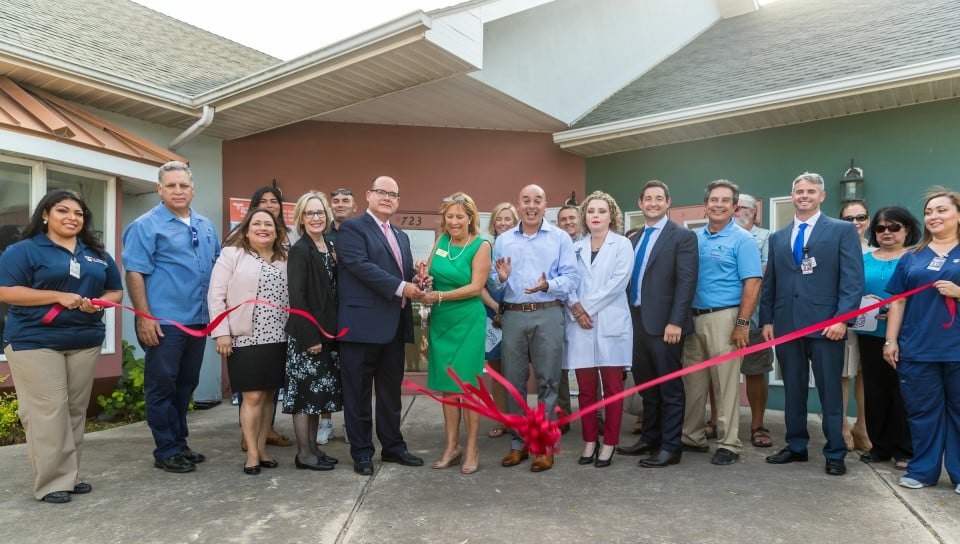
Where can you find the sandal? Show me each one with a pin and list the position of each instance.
(901, 464)
(497, 431)
(711, 431)
(760, 437)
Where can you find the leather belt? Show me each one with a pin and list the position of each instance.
(530, 306)
(711, 310)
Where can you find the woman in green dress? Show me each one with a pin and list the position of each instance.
(459, 266)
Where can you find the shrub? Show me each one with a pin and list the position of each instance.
(11, 431)
(126, 400)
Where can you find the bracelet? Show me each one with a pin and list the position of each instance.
(888, 342)
(440, 298)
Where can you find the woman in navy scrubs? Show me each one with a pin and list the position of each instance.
(923, 343)
(59, 262)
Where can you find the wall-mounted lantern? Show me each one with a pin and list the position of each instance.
(851, 186)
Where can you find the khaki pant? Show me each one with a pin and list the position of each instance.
(711, 337)
(53, 389)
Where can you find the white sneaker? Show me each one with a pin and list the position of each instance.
(910, 483)
(957, 489)
(345, 439)
(325, 431)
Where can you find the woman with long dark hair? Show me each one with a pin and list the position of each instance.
(58, 263)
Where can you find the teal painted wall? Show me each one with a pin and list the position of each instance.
(902, 152)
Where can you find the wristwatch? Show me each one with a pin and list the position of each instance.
(741, 322)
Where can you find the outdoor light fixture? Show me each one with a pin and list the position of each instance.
(851, 186)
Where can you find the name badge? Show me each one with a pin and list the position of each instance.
(441, 252)
(807, 265)
(75, 268)
(936, 263)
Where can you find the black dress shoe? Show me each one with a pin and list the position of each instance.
(320, 465)
(694, 449)
(404, 458)
(638, 448)
(564, 429)
(871, 457)
(56, 497)
(661, 459)
(363, 466)
(327, 459)
(176, 464)
(255, 469)
(836, 467)
(81, 489)
(269, 463)
(785, 456)
(193, 456)
(723, 456)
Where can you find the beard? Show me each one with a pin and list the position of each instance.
(742, 221)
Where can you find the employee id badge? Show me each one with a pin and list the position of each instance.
(936, 263)
(75, 268)
(807, 265)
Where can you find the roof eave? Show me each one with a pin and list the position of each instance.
(571, 140)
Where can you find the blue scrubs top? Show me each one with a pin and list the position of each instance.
(175, 260)
(923, 338)
(39, 263)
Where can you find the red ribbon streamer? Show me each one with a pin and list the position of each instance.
(541, 435)
(57, 308)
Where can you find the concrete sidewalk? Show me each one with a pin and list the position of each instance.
(691, 502)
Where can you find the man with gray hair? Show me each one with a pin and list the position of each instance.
(168, 254)
(756, 366)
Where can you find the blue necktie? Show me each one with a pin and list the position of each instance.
(798, 244)
(638, 263)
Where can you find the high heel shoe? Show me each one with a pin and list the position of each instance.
(453, 460)
(587, 459)
(470, 469)
(861, 441)
(603, 463)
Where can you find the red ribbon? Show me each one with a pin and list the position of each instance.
(57, 308)
(541, 435)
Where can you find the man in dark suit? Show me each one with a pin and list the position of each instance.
(376, 288)
(814, 272)
(660, 293)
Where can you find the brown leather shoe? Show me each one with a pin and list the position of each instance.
(515, 457)
(541, 463)
(276, 439)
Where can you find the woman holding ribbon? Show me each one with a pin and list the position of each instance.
(894, 230)
(923, 343)
(503, 218)
(252, 265)
(459, 266)
(313, 363)
(599, 334)
(60, 263)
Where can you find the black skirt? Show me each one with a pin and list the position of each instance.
(257, 368)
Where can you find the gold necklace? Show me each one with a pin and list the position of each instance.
(449, 253)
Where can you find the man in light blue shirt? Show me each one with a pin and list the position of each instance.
(168, 254)
(727, 290)
(535, 264)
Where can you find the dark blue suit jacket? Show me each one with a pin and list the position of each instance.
(368, 277)
(670, 279)
(791, 300)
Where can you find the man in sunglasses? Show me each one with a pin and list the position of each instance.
(343, 207)
(168, 254)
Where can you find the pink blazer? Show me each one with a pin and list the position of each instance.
(235, 278)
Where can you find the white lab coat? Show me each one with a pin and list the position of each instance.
(603, 294)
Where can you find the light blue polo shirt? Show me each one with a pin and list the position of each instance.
(726, 259)
(160, 246)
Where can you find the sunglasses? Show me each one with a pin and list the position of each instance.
(892, 227)
(861, 218)
(344, 192)
(194, 237)
(457, 199)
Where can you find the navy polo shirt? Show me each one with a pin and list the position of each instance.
(175, 260)
(39, 263)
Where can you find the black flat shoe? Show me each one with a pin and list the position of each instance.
(56, 497)
(321, 464)
(81, 489)
(255, 469)
(327, 459)
(269, 463)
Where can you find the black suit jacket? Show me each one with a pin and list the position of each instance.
(670, 279)
(310, 291)
(368, 277)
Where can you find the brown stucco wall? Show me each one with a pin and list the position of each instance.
(428, 163)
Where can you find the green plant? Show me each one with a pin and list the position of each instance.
(11, 430)
(127, 398)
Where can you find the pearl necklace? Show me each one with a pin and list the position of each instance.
(449, 253)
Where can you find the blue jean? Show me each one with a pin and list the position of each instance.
(171, 373)
(931, 394)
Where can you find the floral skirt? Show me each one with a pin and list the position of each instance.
(312, 381)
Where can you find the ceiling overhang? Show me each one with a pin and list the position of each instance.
(906, 86)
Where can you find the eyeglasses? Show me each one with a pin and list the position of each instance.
(739, 208)
(345, 192)
(194, 237)
(892, 227)
(859, 218)
(315, 214)
(381, 192)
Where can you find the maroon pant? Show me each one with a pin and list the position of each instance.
(612, 379)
